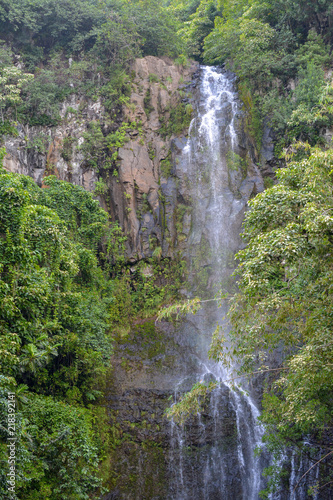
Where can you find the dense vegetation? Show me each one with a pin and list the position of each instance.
(65, 289)
(286, 302)
(55, 335)
(99, 38)
(271, 46)
(64, 292)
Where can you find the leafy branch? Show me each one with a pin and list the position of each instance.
(191, 306)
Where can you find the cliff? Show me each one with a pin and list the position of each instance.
(137, 187)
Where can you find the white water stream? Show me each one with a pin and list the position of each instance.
(223, 469)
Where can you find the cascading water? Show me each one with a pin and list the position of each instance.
(213, 457)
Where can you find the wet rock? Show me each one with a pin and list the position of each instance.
(142, 388)
(267, 148)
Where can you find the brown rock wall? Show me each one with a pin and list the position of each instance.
(134, 196)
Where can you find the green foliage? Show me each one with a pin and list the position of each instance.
(6, 55)
(76, 207)
(143, 206)
(268, 182)
(279, 50)
(12, 79)
(101, 188)
(77, 26)
(313, 50)
(156, 282)
(115, 249)
(314, 109)
(49, 24)
(253, 120)
(182, 60)
(267, 45)
(235, 162)
(151, 151)
(117, 40)
(303, 15)
(76, 47)
(178, 121)
(141, 294)
(64, 285)
(43, 94)
(102, 151)
(310, 86)
(50, 431)
(199, 26)
(117, 139)
(39, 143)
(156, 28)
(157, 253)
(148, 107)
(153, 78)
(7, 128)
(248, 43)
(192, 403)
(67, 148)
(93, 147)
(116, 87)
(182, 9)
(284, 301)
(179, 309)
(166, 166)
(55, 320)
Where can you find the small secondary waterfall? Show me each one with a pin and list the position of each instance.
(213, 457)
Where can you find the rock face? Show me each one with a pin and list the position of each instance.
(148, 365)
(145, 166)
(139, 192)
(39, 151)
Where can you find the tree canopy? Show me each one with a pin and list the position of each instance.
(54, 329)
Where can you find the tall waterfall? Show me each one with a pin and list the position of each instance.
(213, 456)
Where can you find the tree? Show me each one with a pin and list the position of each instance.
(199, 26)
(50, 24)
(118, 41)
(55, 334)
(285, 299)
(12, 80)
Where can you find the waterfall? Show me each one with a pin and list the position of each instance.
(213, 456)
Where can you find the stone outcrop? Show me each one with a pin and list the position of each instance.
(140, 196)
(38, 151)
(147, 211)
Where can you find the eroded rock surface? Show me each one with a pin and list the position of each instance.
(140, 194)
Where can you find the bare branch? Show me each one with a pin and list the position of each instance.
(323, 458)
